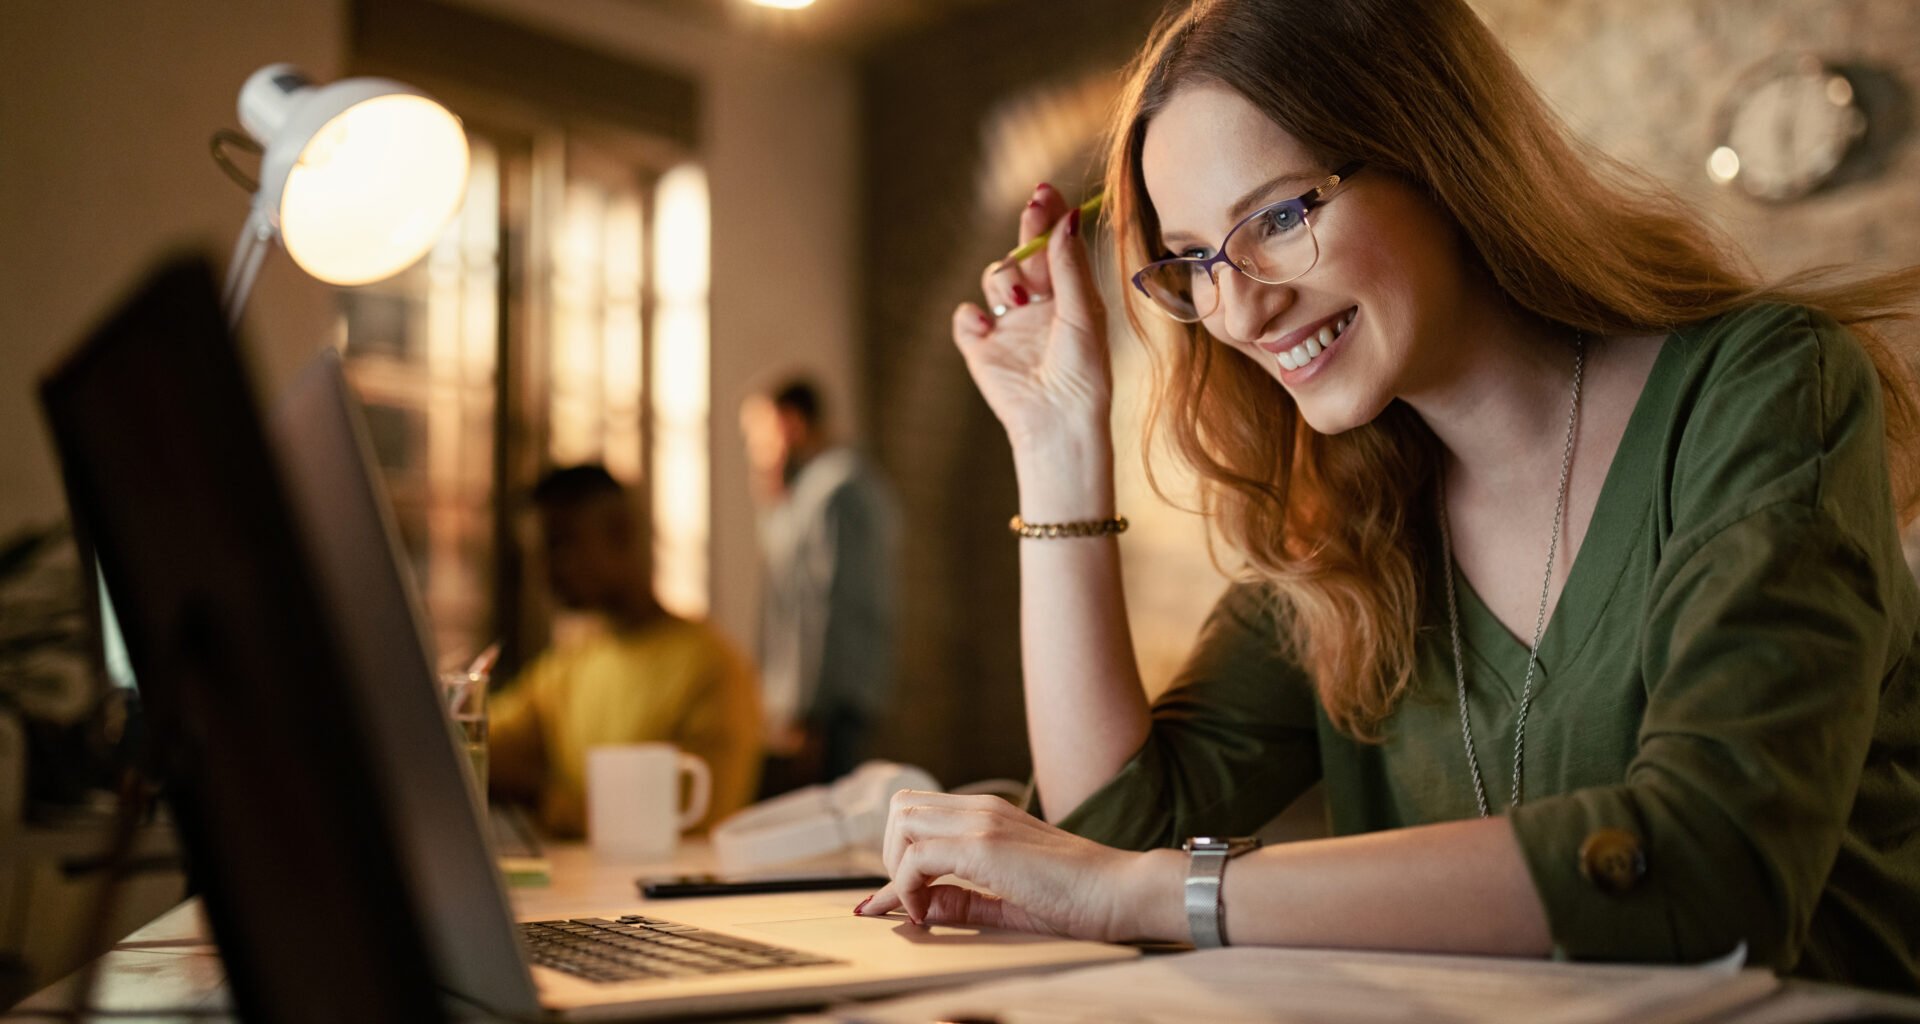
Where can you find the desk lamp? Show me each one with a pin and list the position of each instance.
(356, 178)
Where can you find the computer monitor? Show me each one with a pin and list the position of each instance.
(260, 740)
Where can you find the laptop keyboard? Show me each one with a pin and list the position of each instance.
(635, 948)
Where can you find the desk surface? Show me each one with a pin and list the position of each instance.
(171, 966)
(171, 963)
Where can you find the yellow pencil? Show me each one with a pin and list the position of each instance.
(1039, 242)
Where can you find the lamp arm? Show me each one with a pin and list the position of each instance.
(249, 251)
(227, 137)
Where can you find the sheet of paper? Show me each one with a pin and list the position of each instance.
(1278, 986)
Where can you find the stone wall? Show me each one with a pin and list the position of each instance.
(1641, 79)
(939, 205)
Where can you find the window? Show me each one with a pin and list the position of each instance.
(527, 339)
(680, 514)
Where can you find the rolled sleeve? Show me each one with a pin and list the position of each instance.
(1764, 650)
(1233, 741)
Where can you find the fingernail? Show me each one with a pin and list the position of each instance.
(1073, 222)
(862, 906)
(1041, 188)
(986, 322)
(1020, 296)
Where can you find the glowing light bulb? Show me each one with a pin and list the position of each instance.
(368, 196)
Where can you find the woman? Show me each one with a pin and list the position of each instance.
(1571, 557)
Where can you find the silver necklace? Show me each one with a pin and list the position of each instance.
(1540, 621)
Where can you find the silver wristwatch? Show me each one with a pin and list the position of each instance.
(1206, 917)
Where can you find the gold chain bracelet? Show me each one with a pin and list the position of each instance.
(1083, 528)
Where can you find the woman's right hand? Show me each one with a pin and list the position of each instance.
(1041, 365)
(1035, 877)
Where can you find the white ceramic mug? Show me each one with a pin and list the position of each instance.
(633, 798)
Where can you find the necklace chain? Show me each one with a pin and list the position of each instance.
(1540, 620)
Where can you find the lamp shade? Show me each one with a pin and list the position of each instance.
(358, 177)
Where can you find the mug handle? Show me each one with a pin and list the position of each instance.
(696, 770)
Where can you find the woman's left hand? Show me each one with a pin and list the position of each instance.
(1040, 878)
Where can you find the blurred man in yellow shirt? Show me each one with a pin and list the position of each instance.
(643, 675)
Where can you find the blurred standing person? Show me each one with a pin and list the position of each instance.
(644, 676)
(828, 528)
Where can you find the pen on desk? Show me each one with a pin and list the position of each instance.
(1039, 242)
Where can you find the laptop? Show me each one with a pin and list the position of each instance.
(320, 792)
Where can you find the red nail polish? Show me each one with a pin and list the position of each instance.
(1041, 188)
(986, 322)
(1020, 296)
(862, 906)
(1073, 222)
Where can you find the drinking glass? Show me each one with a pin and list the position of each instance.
(465, 693)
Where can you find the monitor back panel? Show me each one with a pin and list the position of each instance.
(458, 894)
(259, 738)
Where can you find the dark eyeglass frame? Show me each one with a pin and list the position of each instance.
(1307, 202)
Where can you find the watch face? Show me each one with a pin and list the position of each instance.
(1219, 844)
(1786, 128)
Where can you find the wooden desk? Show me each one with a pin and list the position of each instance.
(49, 891)
(172, 964)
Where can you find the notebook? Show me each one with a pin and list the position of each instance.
(1253, 985)
(321, 796)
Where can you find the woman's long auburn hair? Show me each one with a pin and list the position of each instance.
(1340, 526)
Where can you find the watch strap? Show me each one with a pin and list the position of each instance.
(1206, 871)
(1204, 875)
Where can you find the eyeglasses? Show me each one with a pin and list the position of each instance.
(1272, 245)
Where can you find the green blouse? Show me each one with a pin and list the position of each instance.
(1728, 679)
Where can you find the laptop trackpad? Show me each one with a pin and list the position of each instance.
(895, 947)
(894, 929)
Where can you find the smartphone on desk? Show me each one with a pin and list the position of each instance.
(672, 886)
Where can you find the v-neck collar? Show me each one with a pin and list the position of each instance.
(1618, 523)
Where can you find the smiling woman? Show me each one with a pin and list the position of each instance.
(1570, 562)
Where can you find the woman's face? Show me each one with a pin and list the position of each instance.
(1386, 286)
